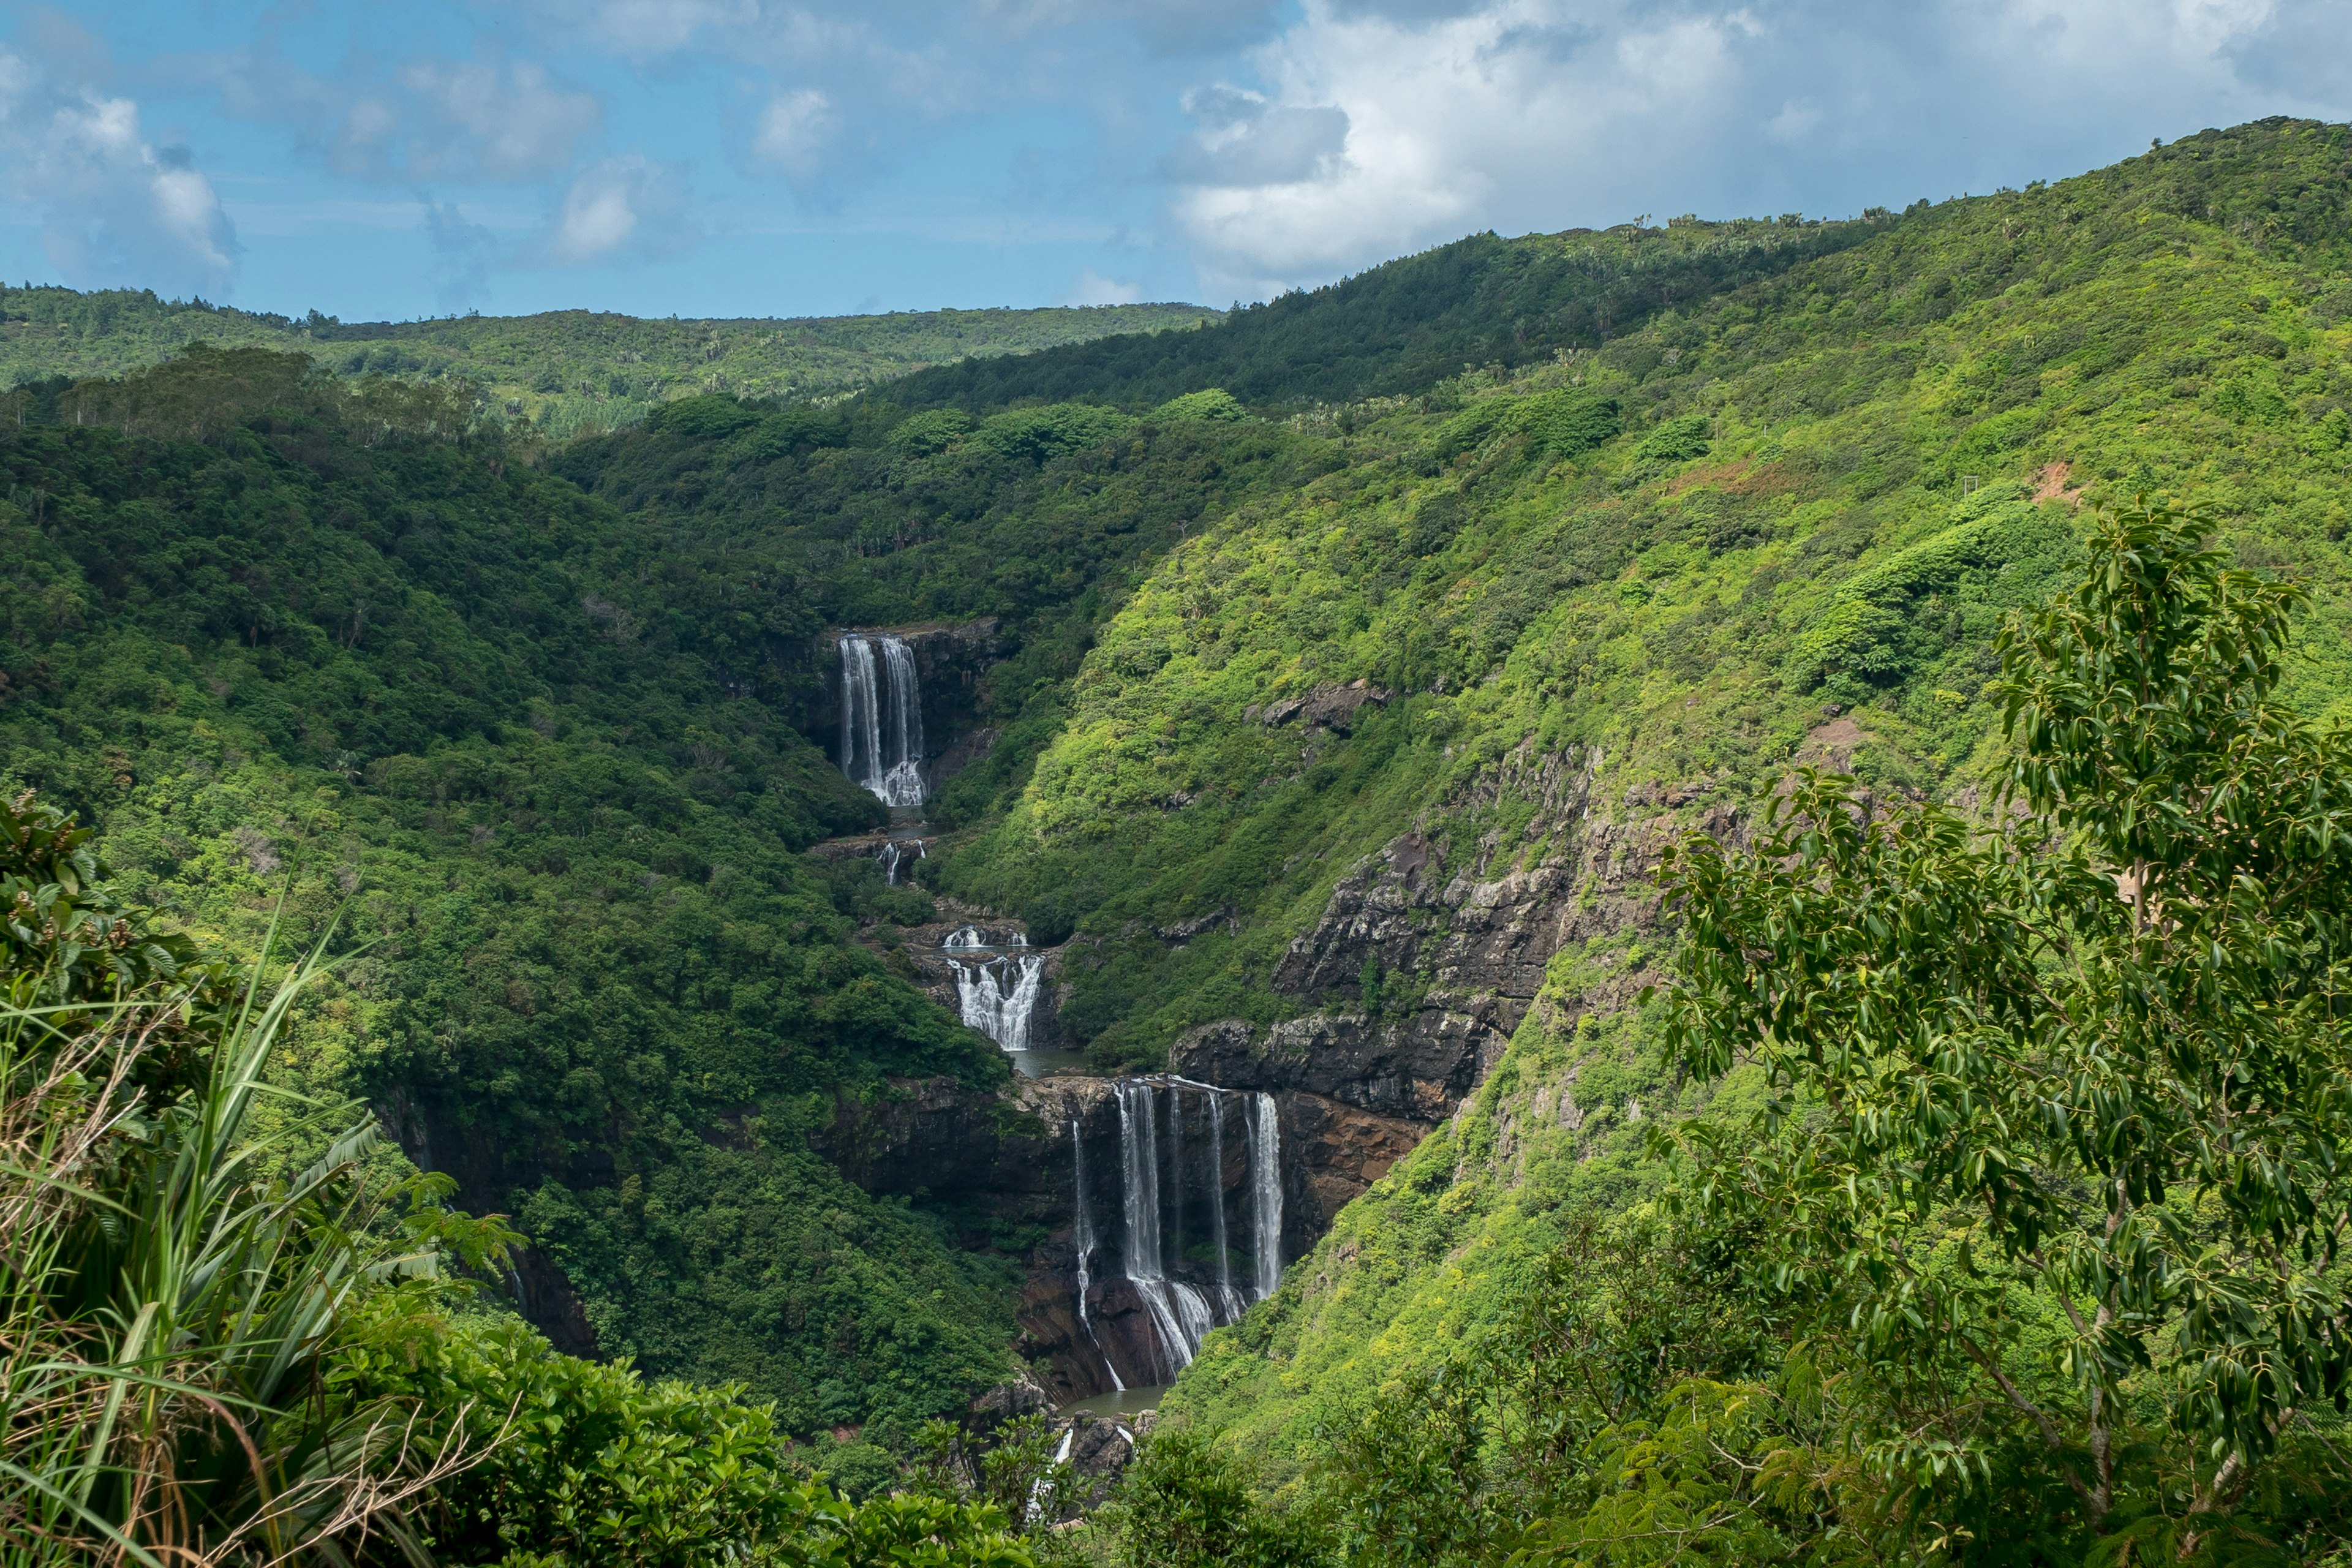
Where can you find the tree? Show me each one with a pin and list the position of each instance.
(2058, 1099)
(168, 1308)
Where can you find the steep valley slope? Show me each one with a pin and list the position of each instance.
(1318, 685)
(1358, 797)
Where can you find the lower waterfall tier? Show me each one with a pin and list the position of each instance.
(1184, 1227)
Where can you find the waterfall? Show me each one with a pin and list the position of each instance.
(1265, 1193)
(1085, 1243)
(964, 938)
(1156, 1158)
(881, 717)
(893, 854)
(999, 997)
(1179, 1315)
(1232, 1303)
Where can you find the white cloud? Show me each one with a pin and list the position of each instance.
(1440, 118)
(1796, 119)
(112, 208)
(628, 206)
(648, 30)
(1370, 128)
(1093, 288)
(791, 133)
(506, 123)
(472, 121)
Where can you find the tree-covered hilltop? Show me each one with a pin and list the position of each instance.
(600, 983)
(269, 623)
(1404, 326)
(1326, 662)
(1826, 488)
(561, 372)
(1777, 527)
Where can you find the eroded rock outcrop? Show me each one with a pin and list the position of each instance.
(1457, 935)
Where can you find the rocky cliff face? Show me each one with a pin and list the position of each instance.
(1459, 928)
(998, 1164)
(949, 660)
(993, 1164)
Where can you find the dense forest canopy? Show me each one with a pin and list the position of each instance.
(1331, 637)
(560, 373)
(1400, 327)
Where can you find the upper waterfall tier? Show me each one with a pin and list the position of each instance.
(882, 717)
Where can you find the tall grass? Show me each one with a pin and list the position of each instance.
(167, 1303)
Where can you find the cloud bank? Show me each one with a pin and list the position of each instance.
(114, 208)
(1364, 130)
(1221, 148)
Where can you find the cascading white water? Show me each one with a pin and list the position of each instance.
(1000, 997)
(1179, 1315)
(1085, 1242)
(893, 854)
(1234, 1304)
(1265, 1193)
(882, 717)
(1151, 1251)
(965, 938)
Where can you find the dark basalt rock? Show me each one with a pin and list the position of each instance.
(1022, 1396)
(1331, 708)
(949, 660)
(996, 1163)
(1101, 1447)
(1467, 931)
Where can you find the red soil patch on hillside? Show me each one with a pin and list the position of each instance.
(1742, 478)
(2051, 484)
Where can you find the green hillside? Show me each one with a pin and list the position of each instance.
(1406, 325)
(1831, 488)
(421, 676)
(547, 743)
(1781, 524)
(1523, 557)
(563, 372)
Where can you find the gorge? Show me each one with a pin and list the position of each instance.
(1139, 868)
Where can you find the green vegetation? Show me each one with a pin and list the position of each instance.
(2050, 1151)
(563, 372)
(1830, 487)
(2012, 1237)
(605, 991)
(1547, 550)
(230, 1340)
(856, 516)
(1404, 326)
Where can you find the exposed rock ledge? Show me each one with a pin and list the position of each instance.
(1468, 929)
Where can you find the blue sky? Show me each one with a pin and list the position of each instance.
(759, 157)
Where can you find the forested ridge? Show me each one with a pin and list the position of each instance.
(560, 373)
(1548, 562)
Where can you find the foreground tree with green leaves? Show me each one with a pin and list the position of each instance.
(2050, 1170)
(224, 1339)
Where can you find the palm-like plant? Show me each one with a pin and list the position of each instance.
(166, 1304)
